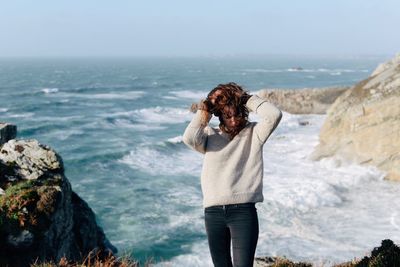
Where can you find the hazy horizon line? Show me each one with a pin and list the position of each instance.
(239, 55)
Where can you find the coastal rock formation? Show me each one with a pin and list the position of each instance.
(363, 124)
(7, 132)
(299, 101)
(41, 218)
(303, 101)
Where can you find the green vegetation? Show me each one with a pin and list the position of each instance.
(27, 205)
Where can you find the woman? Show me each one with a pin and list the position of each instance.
(232, 173)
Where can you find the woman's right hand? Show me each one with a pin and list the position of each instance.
(205, 113)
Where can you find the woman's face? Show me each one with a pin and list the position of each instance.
(231, 120)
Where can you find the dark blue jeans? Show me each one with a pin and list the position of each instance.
(237, 223)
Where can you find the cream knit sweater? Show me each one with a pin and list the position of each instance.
(233, 169)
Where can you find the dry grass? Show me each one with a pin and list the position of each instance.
(92, 261)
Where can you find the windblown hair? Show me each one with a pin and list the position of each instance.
(228, 95)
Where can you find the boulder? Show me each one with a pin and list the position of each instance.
(7, 132)
(41, 218)
(363, 124)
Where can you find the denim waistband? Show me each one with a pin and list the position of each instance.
(250, 204)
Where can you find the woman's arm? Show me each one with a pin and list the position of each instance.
(195, 135)
(270, 117)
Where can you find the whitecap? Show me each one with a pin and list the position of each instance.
(3, 109)
(161, 115)
(170, 97)
(335, 73)
(118, 95)
(156, 162)
(294, 69)
(187, 94)
(176, 139)
(124, 123)
(130, 95)
(21, 115)
(263, 70)
(64, 134)
(49, 90)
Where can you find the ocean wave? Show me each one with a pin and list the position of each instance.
(20, 115)
(3, 109)
(187, 94)
(264, 70)
(299, 188)
(64, 134)
(199, 257)
(176, 139)
(49, 90)
(117, 95)
(335, 73)
(130, 95)
(155, 161)
(159, 115)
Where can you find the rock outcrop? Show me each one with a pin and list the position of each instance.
(41, 218)
(299, 101)
(363, 124)
(387, 254)
(303, 101)
(7, 132)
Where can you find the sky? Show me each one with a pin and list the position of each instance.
(121, 28)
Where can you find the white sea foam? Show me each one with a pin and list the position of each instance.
(160, 115)
(317, 211)
(21, 115)
(49, 90)
(125, 95)
(131, 95)
(199, 256)
(122, 123)
(170, 97)
(336, 73)
(57, 118)
(194, 95)
(65, 134)
(176, 139)
(264, 70)
(157, 162)
(3, 109)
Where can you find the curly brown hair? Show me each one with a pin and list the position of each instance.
(228, 95)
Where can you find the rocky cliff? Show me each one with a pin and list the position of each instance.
(303, 101)
(299, 101)
(41, 218)
(363, 124)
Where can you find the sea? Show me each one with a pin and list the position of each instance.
(118, 123)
